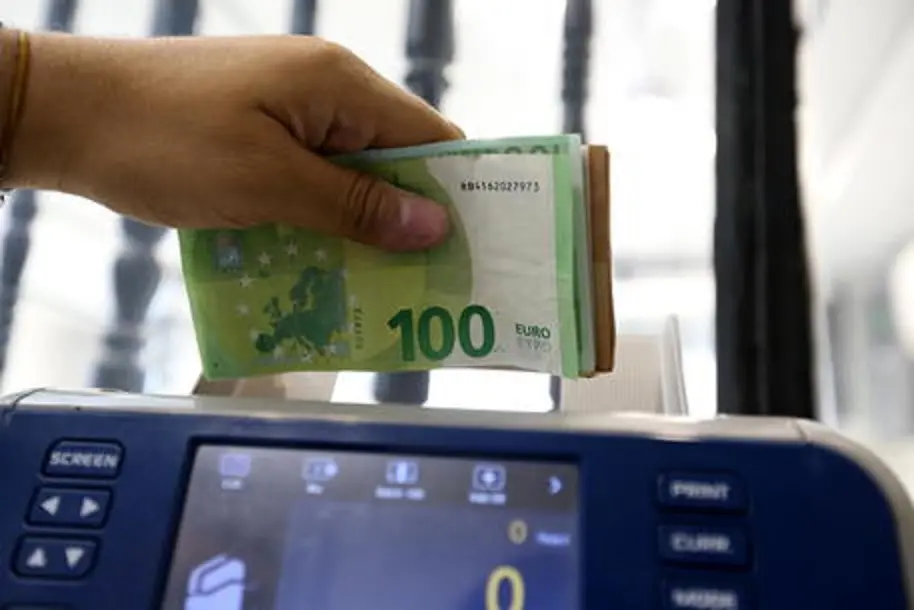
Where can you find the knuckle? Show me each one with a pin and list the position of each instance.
(332, 54)
(363, 206)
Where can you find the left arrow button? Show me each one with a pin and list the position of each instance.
(51, 505)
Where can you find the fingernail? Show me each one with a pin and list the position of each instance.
(423, 223)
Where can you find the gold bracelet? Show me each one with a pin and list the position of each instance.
(16, 101)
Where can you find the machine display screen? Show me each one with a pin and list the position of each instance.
(278, 529)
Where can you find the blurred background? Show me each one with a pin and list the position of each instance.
(650, 97)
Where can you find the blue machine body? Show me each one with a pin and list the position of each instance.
(803, 525)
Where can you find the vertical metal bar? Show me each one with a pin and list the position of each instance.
(136, 271)
(764, 335)
(576, 65)
(61, 15)
(578, 32)
(23, 209)
(429, 49)
(304, 17)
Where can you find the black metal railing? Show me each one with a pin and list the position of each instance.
(763, 313)
(764, 332)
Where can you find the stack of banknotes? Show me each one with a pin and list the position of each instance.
(523, 281)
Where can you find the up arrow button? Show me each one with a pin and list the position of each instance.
(37, 559)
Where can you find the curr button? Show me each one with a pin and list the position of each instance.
(709, 545)
(97, 460)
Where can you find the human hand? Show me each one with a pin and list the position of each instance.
(224, 132)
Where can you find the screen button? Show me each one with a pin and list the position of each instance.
(713, 491)
(402, 472)
(101, 460)
(55, 558)
(320, 469)
(700, 544)
(488, 485)
(701, 595)
(235, 465)
(235, 468)
(70, 507)
(489, 478)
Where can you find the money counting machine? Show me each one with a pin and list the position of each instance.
(123, 502)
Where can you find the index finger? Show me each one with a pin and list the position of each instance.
(398, 117)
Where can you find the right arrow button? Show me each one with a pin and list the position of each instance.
(92, 508)
(89, 507)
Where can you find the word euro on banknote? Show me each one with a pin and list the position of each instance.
(523, 280)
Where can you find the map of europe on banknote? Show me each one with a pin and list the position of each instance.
(511, 286)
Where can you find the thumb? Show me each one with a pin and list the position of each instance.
(356, 206)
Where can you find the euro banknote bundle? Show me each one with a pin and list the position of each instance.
(523, 281)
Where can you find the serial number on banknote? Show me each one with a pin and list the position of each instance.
(501, 186)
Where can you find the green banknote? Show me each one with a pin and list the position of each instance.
(509, 288)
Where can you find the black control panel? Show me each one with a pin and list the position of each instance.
(74, 493)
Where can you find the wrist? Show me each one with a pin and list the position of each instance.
(13, 71)
(63, 101)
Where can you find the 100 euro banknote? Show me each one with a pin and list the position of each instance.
(512, 286)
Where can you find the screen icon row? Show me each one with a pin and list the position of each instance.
(487, 477)
(490, 478)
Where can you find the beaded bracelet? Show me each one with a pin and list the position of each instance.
(15, 104)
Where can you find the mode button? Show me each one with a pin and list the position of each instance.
(702, 595)
(87, 459)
